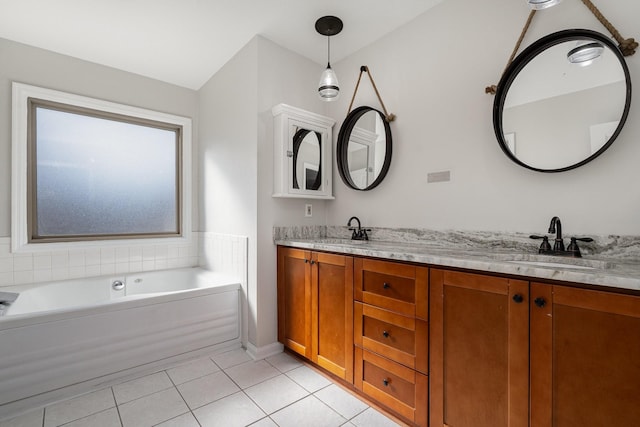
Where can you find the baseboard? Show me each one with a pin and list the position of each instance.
(258, 353)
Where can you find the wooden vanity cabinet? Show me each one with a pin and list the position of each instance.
(463, 349)
(506, 352)
(391, 335)
(315, 308)
(585, 357)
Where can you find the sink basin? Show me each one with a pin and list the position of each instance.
(547, 261)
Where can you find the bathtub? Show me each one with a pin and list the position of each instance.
(64, 338)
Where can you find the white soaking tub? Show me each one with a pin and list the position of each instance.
(63, 338)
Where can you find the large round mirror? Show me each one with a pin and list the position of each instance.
(553, 111)
(307, 160)
(364, 148)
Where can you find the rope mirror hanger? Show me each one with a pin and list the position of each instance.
(626, 46)
(363, 69)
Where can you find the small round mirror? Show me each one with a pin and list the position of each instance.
(364, 148)
(307, 160)
(563, 101)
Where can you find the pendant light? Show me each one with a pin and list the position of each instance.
(542, 4)
(328, 88)
(585, 54)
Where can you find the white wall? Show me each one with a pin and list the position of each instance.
(228, 158)
(236, 163)
(39, 67)
(432, 73)
(283, 77)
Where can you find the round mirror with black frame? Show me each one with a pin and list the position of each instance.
(307, 160)
(364, 148)
(551, 112)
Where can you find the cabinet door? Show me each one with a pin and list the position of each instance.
(332, 313)
(294, 300)
(479, 331)
(585, 357)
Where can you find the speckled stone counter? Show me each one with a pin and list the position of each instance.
(515, 255)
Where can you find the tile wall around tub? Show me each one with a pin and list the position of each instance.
(26, 268)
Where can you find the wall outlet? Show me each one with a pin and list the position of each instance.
(308, 210)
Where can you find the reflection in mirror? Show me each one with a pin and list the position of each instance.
(551, 115)
(364, 148)
(306, 160)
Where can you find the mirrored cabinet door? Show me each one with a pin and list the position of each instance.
(302, 153)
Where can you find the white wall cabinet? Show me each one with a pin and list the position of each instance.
(302, 154)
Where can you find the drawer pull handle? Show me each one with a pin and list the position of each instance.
(385, 334)
(385, 382)
(385, 285)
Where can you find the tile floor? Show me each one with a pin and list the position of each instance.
(227, 389)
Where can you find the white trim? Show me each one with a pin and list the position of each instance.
(258, 353)
(19, 234)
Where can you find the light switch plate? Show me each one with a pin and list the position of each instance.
(308, 210)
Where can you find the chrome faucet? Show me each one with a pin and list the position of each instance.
(556, 227)
(358, 233)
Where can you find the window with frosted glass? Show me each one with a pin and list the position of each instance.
(95, 175)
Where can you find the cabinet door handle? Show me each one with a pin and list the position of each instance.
(518, 298)
(385, 334)
(385, 382)
(540, 302)
(312, 262)
(385, 285)
(306, 260)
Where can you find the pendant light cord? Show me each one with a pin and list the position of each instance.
(627, 46)
(364, 68)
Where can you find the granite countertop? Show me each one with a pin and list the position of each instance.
(591, 270)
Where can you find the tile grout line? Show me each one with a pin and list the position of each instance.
(182, 397)
(113, 393)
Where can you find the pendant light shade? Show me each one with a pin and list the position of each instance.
(542, 4)
(328, 88)
(585, 55)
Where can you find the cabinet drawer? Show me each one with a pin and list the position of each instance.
(397, 387)
(400, 338)
(395, 286)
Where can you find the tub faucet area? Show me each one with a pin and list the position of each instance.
(6, 298)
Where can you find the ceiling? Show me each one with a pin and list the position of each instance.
(185, 42)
